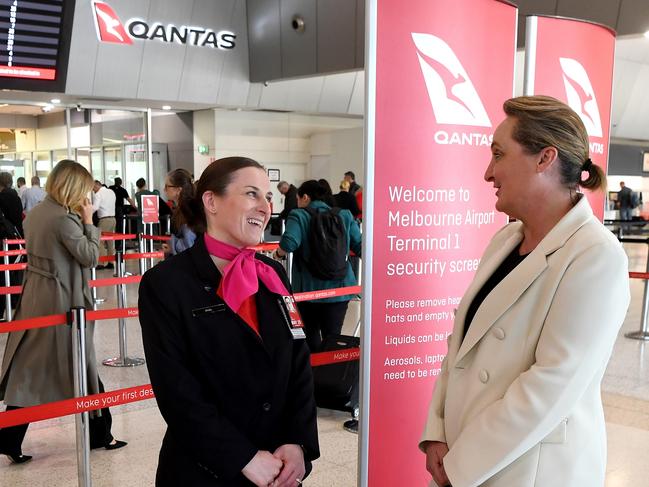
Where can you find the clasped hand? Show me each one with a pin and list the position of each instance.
(282, 468)
(435, 453)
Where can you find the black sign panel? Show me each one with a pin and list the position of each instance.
(34, 43)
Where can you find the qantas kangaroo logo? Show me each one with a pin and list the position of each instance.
(109, 27)
(452, 94)
(581, 96)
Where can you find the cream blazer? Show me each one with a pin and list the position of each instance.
(518, 400)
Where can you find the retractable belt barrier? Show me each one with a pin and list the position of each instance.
(127, 395)
(643, 332)
(160, 238)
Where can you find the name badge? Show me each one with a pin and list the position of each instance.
(294, 321)
(208, 310)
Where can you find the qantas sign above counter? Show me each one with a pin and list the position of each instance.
(111, 29)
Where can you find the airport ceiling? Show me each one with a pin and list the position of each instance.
(626, 17)
(630, 111)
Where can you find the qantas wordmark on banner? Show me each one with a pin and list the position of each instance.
(109, 27)
(580, 95)
(454, 99)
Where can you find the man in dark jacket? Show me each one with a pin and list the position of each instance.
(10, 203)
(12, 208)
(290, 198)
(353, 185)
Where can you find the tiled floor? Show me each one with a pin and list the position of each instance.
(626, 399)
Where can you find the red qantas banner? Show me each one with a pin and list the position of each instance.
(579, 73)
(150, 208)
(443, 71)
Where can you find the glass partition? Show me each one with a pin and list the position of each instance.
(43, 161)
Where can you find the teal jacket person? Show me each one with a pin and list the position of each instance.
(295, 239)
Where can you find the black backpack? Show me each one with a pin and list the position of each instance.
(328, 244)
(7, 229)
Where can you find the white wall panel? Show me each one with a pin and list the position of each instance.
(162, 62)
(336, 93)
(357, 102)
(83, 54)
(634, 122)
(234, 85)
(117, 68)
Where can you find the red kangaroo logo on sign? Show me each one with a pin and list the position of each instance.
(109, 27)
(452, 94)
(581, 96)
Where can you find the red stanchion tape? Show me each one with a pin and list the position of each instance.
(266, 247)
(29, 323)
(129, 394)
(113, 281)
(13, 252)
(335, 356)
(10, 290)
(111, 314)
(163, 238)
(116, 236)
(144, 255)
(17, 241)
(106, 258)
(639, 275)
(327, 293)
(12, 267)
(75, 405)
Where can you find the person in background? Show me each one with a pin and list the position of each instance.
(230, 374)
(141, 190)
(518, 400)
(354, 187)
(103, 201)
(12, 209)
(33, 196)
(290, 198)
(359, 203)
(344, 199)
(322, 317)
(21, 186)
(329, 194)
(62, 244)
(179, 187)
(121, 207)
(10, 203)
(625, 200)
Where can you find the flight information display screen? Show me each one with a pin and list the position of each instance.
(34, 43)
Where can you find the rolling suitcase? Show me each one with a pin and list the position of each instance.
(336, 385)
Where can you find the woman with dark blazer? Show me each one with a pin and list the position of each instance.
(227, 359)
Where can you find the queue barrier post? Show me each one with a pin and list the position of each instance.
(150, 246)
(142, 260)
(643, 333)
(123, 360)
(77, 320)
(8, 310)
(93, 290)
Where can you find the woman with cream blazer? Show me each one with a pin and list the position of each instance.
(518, 403)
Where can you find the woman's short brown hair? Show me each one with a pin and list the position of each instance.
(543, 121)
(69, 184)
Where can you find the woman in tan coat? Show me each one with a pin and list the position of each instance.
(62, 244)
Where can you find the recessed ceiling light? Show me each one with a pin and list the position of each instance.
(646, 34)
(55, 100)
(47, 108)
(166, 107)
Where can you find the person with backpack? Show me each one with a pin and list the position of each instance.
(320, 238)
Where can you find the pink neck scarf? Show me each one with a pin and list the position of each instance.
(241, 276)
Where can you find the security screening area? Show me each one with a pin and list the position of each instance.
(238, 240)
